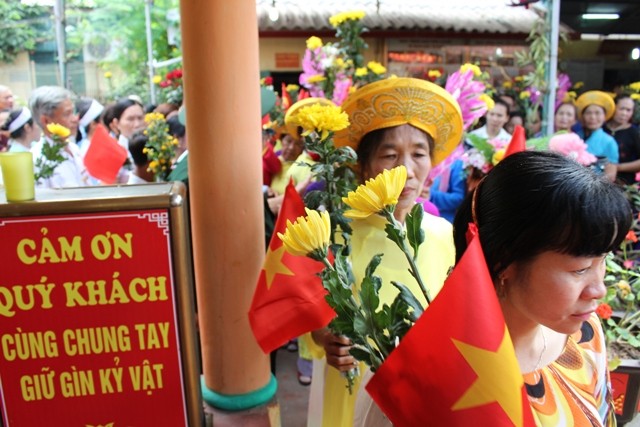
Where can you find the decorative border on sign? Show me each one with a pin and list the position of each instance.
(160, 218)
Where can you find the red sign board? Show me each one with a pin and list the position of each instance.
(287, 60)
(88, 321)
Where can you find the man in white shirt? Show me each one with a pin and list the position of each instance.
(497, 117)
(54, 104)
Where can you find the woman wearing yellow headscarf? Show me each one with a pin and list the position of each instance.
(393, 122)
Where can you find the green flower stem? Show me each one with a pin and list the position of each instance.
(356, 307)
(405, 248)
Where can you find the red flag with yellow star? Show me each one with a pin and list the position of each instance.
(289, 297)
(456, 366)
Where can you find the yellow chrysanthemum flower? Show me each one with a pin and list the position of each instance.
(292, 88)
(497, 157)
(507, 84)
(58, 130)
(152, 117)
(474, 68)
(108, 75)
(339, 63)
(377, 193)
(578, 85)
(308, 234)
(635, 96)
(518, 78)
(489, 102)
(434, 74)
(314, 42)
(361, 72)
(338, 19)
(157, 79)
(316, 78)
(376, 67)
(525, 94)
(321, 119)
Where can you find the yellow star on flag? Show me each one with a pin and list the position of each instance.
(499, 379)
(273, 265)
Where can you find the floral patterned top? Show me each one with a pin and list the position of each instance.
(575, 389)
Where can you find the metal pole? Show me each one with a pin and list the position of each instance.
(59, 15)
(553, 19)
(147, 16)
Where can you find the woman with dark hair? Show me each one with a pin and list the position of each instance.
(22, 132)
(128, 118)
(627, 137)
(546, 224)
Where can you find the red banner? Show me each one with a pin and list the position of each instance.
(88, 321)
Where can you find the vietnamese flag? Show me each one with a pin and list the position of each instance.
(518, 141)
(104, 157)
(289, 299)
(456, 366)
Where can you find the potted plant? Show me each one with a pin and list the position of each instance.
(620, 315)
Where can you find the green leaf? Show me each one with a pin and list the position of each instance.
(369, 296)
(395, 234)
(373, 264)
(407, 296)
(361, 354)
(415, 233)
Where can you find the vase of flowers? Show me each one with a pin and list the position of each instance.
(620, 315)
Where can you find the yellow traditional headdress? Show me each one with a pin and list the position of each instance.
(397, 101)
(596, 97)
(292, 128)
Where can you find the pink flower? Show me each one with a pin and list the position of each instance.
(572, 146)
(564, 84)
(467, 92)
(628, 264)
(341, 88)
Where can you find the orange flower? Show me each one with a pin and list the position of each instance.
(604, 311)
(631, 236)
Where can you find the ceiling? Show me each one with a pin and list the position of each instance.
(482, 16)
(629, 11)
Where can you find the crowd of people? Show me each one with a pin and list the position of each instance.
(26, 128)
(566, 260)
(545, 221)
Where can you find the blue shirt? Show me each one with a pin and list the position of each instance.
(449, 199)
(600, 144)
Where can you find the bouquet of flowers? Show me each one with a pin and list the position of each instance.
(484, 154)
(620, 308)
(51, 156)
(171, 86)
(334, 165)
(330, 70)
(161, 147)
(374, 330)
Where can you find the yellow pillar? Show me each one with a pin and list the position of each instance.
(221, 76)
